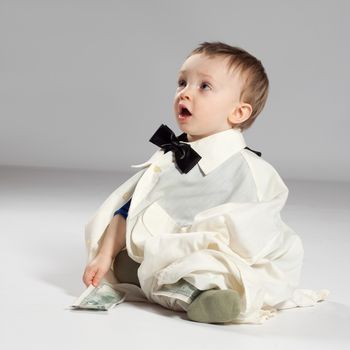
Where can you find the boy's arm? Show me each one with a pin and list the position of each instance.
(113, 240)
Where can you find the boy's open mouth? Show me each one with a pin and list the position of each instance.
(184, 112)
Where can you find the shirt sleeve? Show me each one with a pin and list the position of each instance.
(124, 209)
(253, 230)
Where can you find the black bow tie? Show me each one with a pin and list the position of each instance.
(185, 156)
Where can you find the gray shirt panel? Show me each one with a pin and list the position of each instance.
(182, 196)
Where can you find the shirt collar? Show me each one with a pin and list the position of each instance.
(216, 148)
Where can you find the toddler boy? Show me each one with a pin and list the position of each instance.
(198, 228)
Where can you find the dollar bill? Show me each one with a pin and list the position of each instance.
(100, 298)
(182, 290)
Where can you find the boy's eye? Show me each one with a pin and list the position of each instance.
(205, 84)
(181, 82)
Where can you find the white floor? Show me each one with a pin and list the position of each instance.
(42, 218)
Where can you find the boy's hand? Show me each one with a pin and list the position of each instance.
(96, 269)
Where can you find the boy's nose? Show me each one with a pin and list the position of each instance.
(187, 92)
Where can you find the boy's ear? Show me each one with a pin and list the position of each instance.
(240, 113)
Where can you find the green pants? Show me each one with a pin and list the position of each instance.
(125, 269)
(210, 306)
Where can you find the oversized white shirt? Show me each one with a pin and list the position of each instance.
(217, 226)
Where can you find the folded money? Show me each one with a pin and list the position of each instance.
(181, 290)
(100, 298)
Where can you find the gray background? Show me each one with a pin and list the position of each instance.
(84, 84)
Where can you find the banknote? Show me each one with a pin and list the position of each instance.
(100, 298)
(182, 290)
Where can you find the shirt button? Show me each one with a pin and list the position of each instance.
(157, 169)
(126, 195)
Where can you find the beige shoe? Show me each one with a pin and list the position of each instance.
(215, 306)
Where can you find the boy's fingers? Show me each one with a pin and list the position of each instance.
(88, 276)
(97, 278)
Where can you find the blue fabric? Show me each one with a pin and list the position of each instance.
(124, 209)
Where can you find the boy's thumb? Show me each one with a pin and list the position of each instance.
(97, 279)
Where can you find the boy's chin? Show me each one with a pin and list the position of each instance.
(182, 127)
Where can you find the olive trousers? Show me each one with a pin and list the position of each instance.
(125, 269)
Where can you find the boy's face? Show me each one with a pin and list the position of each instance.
(211, 94)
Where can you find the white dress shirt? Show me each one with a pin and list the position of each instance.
(217, 226)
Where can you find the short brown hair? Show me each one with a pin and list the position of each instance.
(255, 81)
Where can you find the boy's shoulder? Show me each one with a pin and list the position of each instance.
(267, 179)
(257, 162)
